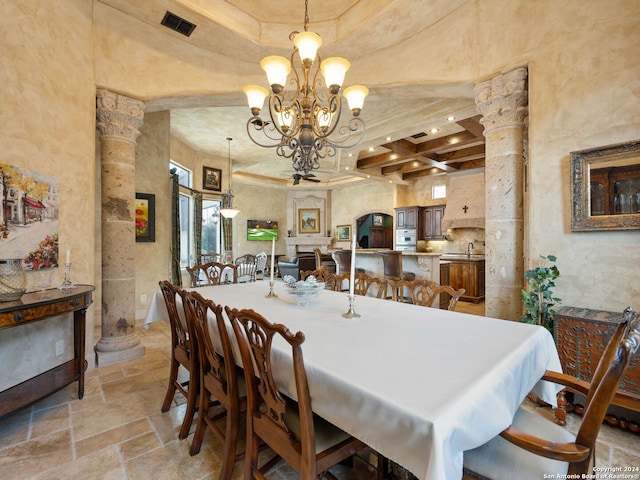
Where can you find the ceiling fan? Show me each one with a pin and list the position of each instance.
(309, 177)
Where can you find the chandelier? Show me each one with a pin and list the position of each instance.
(226, 202)
(304, 122)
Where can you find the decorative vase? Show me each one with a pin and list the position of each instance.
(13, 280)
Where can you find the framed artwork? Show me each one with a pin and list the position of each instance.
(145, 217)
(377, 220)
(343, 232)
(212, 179)
(309, 220)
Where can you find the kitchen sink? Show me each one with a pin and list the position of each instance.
(462, 256)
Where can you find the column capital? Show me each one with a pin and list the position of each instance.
(119, 117)
(503, 100)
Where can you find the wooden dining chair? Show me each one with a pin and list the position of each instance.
(308, 443)
(221, 381)
(427, 294)
(381, 285)
(184, 352)
(203, 274)
(361, 283)
(535, 447)
(321, 275)
(398, 289)
(246, 268)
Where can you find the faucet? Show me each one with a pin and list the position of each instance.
(469, 248)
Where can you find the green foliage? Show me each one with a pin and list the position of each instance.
(538, 299)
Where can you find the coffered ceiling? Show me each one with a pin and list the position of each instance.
(412, 130)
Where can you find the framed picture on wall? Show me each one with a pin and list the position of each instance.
(309, 220)
(212, 179)
(343, 232)
(377, 220)
(145, 217)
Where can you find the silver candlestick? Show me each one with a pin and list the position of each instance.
(67, 284)
(271, 293)
(351, 313)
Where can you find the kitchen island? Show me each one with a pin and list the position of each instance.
(425, 265)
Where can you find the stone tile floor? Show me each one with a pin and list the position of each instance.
(118, 432)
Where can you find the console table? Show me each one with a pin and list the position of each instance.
(36, 307)
(581, 336)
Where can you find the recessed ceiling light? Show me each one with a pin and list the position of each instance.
(371, 149)
(451, 118)
(351, 154)
(388, 139)
(346, 168)
(368, 176)
(434, 130)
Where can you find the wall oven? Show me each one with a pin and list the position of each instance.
(406, 239)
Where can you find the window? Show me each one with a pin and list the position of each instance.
(211, 225)
(439, 191)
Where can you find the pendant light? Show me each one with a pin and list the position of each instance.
(226, 203)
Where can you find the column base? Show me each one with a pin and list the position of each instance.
(107, 358)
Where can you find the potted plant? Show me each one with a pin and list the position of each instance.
(538, 299)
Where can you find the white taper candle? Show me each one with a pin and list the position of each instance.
(273, 256)
(352, 273)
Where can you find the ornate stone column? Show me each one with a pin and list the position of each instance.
(502, 101)
(118, 121)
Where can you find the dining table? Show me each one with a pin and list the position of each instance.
(419, 385)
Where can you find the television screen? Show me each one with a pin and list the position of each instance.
(262, 230)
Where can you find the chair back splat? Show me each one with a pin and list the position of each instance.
(535, 447)
(184, 351)
(288, 427)
(219, 380)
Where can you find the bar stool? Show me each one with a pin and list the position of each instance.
(343, 261)
(392, 261)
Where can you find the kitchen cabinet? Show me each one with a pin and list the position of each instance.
(431, 223)
(381, 237)
(468, 274)
(408, 217)
(445, 279)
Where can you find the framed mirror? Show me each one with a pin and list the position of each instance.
(605, 188)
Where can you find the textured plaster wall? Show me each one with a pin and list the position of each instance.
(47, 112)
(152, 176)
(584, 84)
(353, 201)
(258, 202)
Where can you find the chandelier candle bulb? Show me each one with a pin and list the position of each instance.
(303, 121)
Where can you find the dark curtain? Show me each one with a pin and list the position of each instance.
(227, 239)
(197, 226)
(175, 275)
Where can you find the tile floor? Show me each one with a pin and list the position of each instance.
(118, 432)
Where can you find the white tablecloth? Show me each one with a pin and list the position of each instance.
(420, 385)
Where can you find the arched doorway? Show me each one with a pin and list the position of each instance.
(375, 230)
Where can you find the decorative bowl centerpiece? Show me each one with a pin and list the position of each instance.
(303, 291)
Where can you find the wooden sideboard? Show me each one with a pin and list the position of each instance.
(581, 336)
(36, 307)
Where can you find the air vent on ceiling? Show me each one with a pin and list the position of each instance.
(419, 135)
(180, 25)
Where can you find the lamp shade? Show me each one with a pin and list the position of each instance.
(255, 97)
(229, 212)
(277, 69)
(334, 69)
(355, 95)
(307, 44)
